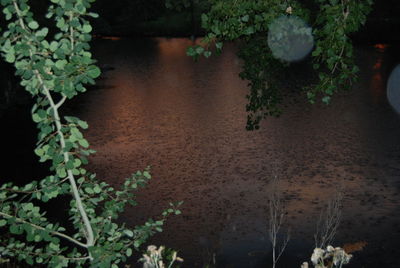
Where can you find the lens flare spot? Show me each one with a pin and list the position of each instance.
(393, 89)
(290, 38)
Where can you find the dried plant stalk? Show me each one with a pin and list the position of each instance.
(329, 221)
(276, 220)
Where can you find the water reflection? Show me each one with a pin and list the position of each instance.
(377, 83)
(188, 120)
(381, 47)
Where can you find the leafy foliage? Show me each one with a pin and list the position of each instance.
(53, 71)
(250, 21)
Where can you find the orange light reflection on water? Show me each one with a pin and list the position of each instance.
(377, 87)
(187, 119)
(175, 47)
(381, 47)
(378, 64)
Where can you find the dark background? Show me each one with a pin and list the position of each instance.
(152, 18)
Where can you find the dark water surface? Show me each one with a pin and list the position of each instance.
(187, 120)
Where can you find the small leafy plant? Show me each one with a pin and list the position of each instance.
(160, 258)
(328, 258)
(54, 70)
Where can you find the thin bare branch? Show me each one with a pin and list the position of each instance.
(276, 220)
(329, 221)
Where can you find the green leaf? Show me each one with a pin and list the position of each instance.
(53, 46)
(93, 15)
(76, 133)
(69, 164)
(89, 190)
(219, 45)
(54, 247)
(326, 99)
(61, 172)
(128, 233)
(10, 57)
(94, 72)
(249, 30)
(3, 222)
(199, 49)
(14, 229)
(87, 28)
(60, 64)
(83, 124)
(147, 174)
(29, 260)
(129, 252)
(97, 189)
(77, 162)
(33, 25)
(36, 118)
(245, 18)
(84, 143)
(60, 23)
(190, 52)
(42, 33)
(7, 12)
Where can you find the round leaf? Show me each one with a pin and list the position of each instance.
(33, 25)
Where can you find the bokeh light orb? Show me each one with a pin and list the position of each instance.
(290, 38)
(393, 89)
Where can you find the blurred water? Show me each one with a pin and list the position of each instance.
(187, 120)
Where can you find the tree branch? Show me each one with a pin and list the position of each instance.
(7, 216)
(88, 227)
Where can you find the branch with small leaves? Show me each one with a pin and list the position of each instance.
(54, 71)
(249, 23)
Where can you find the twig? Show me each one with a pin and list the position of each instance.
(7, 216)
(276, 219)
(329, 221)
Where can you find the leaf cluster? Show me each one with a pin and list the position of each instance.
(55, 69)
(249, 23)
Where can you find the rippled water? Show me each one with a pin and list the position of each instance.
(187, 120)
